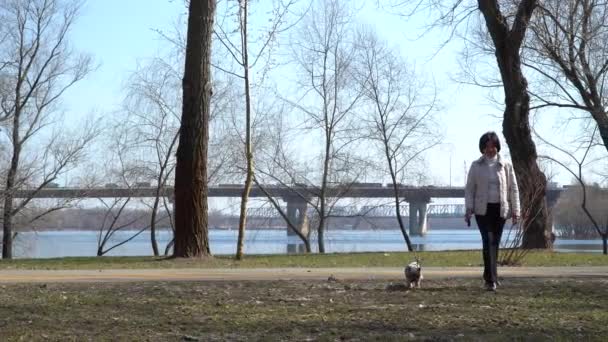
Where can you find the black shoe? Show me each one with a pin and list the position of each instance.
(491, 287)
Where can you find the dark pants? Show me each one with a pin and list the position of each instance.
(490, 226)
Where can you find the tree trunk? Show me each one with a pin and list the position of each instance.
(605, 243)
(243, 213)
(516, 127)
(408, 242)
(248, 148)
(168, 247)
(406, 237)
(391, 167)
(191, 216)
(7, 222)
(153, 226)
(322, 197)
(532, 182)
(7, 227)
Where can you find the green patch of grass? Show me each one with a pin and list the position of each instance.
(389, 259)
(528, 309)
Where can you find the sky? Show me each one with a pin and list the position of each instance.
(120, 34)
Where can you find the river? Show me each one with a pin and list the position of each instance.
(50, 244)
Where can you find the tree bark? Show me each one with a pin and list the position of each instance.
(516, 127)
(191, 212)
(7, 219)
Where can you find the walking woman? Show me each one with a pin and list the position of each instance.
(491, 194)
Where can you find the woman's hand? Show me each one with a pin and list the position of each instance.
(467, 217)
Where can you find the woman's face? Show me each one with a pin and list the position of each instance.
(490, 150)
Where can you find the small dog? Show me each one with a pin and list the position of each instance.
(413, 274)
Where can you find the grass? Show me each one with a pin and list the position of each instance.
(522, 309)
(444, 259)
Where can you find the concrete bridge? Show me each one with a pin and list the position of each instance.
(297, 197)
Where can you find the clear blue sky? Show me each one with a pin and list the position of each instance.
(118, 34)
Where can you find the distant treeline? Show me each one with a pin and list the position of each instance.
(570, 221)
(96, 218)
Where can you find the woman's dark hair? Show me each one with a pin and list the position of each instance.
(489, 136)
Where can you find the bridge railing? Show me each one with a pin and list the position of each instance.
(433, 210)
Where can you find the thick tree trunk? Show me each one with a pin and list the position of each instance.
(532, 182)
(516, 127)
(191, 216)
(7, 227)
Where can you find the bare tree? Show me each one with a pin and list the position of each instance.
(152, 106)
(400, 118)
(602, 229)
(191, 216)
(277, 165)
(508, 36)
(567, 49)
(324, 51)
(122, 167)
(506, 22)
(37, 67)
(114, 222)
(241, 52)
(571, 222)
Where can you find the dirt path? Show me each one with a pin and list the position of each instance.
(199, 274)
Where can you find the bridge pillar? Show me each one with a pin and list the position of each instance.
(296, 213)
(418, 216)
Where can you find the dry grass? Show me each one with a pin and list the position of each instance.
(532, 309)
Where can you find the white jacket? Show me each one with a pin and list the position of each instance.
(476, 190)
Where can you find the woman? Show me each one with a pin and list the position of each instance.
(492, 195)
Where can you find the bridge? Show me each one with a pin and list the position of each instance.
(297, 197)
(235, 190)
(380, 211)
